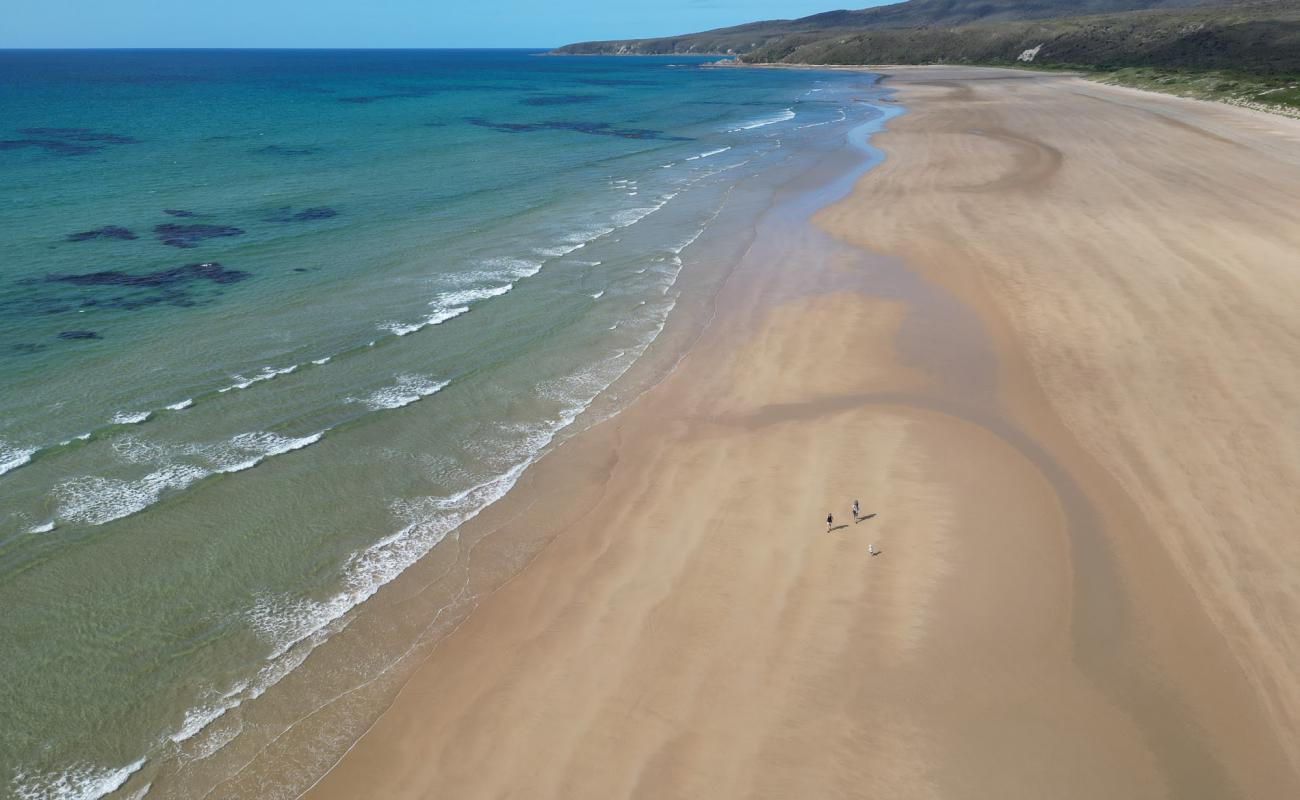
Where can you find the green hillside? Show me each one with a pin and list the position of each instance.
(1257, 37)
(1246, 51)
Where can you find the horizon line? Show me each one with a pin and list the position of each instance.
(6, 48)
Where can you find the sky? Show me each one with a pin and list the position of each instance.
(376, 23)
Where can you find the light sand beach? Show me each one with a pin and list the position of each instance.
(1050, 345)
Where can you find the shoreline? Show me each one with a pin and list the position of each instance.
(435, 596)
(690, 632)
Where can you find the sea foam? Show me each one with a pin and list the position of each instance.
(130, 417)
(12, 458)
(95, 500)
(80, 782)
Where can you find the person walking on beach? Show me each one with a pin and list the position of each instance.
(830, 520)
(855, 512)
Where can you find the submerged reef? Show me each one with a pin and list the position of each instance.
(175, 235)
(106, 232)
(65, 141)
(209, 270)
(79, 135)
(51, 146)
(184, 286)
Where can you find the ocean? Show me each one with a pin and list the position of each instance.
(275, 324)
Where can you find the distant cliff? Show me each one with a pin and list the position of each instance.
(1252, 36)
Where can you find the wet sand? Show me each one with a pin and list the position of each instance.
(1049, 346)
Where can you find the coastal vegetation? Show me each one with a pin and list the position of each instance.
(1279, 94)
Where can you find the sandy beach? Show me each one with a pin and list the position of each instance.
(1050, 345)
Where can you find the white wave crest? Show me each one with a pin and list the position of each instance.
(632, 216)
(687, 242)
(266, 374)
(708, 153)
(196, 719)
(408, 389)
(841, 118)
(12, 458)
(506, 268)
(130, 417)
(78, 782)
(95, 500)
(461, 297)
(437, 318)
(762, 122)
(182, 405)
(247, 450)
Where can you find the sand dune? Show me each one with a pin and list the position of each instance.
(1052, 351)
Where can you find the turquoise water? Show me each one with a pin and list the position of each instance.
(273, 324)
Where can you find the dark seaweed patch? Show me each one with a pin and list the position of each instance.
(65, 141)
(179, 212)
(560, 99)
(106, 232)
(283, 150)
(591, 128)
(175, 235)
(73, 335)
(79, 135)
(51, 146)
(209, 270)
(184, 286)
(287, 214)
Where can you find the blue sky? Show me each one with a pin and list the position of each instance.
(374, 23)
